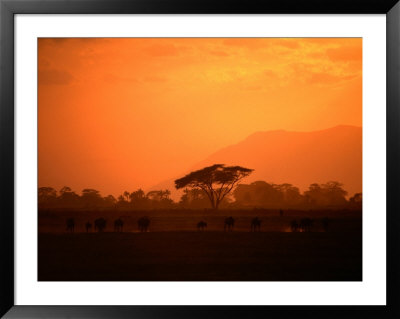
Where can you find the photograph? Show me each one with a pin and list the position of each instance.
(200, 159)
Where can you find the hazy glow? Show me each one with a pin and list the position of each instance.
(119, 114)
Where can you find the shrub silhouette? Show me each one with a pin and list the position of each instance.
(118, 225)
(143, 224)
(229, 223)
(255, 224)
(325, 223)
(88, 226)
(100, 224)
(306, 224)
(294, 226)
(201, 225)
(70, 225)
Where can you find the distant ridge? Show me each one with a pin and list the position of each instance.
(298, 158)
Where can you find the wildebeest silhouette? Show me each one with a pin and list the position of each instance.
(255, 224)
(88, 226)
(281, 213)
(201, 225)
(100, 224)
(70, 225)
(294, 226)
(306, 224)
(118, 225)
(143, 224)
(325, 223)
(229, 223)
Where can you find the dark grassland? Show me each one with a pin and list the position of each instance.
(174, 251)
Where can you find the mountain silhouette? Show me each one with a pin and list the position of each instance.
(298, 158)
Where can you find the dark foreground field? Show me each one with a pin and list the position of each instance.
(208, 256)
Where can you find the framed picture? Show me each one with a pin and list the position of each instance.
(164, 159)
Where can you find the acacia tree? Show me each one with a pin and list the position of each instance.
(215, 181)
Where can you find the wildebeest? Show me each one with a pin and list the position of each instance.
(100, 224)
(143, 224)
(88, 226)
(229, 223)
(255, 224)
(118, 225)
(306, 224)
(294, 226)
(201, 225)
(281, 213)
(70, 225)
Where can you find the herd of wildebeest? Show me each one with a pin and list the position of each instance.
(302, 225)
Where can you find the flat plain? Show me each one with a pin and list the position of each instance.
(173, 250)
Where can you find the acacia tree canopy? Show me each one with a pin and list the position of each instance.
(216, 181)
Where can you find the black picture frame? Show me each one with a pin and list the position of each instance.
(8, 8)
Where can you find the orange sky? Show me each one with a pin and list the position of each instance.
(119, 114)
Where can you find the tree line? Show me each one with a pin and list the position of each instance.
(49, 197)
(211, 187)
